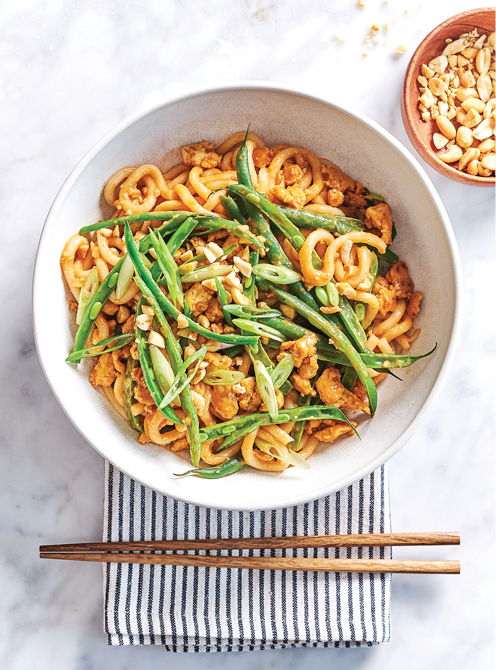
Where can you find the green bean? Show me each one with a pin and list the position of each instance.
(334, 224)
(274, 250)
(105, 289)
(348, 378)
(299, 427)
(295, 237)
(352, 324)
(360, 311)
(233, 351)
(216, 223)
(117, 342)
(234, 464)
(302, 413)
(147, 369)
(281, 216)
(151, 290)
(255, 352)
(389, 256)
(321, 295)
(272, 212)
(332, 294)
(94, 306)
(88, 290)
(232, 208)
(250, 311)
(129, 395)
(260, 223)
(243, 163)
(292, 233)
(293, 331)
(131, 218)
(179, 236)
(341, 226)
(339, 339)
(327, 352)
(169, 269)
(259, 329)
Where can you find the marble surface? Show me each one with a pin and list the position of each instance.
(69, 72)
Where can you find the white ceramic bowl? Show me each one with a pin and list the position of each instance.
(364, 150)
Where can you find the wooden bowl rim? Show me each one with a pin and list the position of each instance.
(411, 117)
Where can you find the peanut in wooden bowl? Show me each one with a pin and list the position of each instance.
(420, 132)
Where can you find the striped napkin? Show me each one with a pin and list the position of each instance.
(192, 609)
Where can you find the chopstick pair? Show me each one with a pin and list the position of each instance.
(110, 552)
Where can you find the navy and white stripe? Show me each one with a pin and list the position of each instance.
(204, 609)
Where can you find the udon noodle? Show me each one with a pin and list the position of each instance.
(335, 250)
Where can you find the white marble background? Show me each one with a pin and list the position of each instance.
(70, 70)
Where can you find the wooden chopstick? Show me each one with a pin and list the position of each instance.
(267, 562)
(108, 552)
(295, 542)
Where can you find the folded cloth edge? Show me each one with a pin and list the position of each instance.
(205, 610)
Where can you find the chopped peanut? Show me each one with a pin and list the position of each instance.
(456, 90)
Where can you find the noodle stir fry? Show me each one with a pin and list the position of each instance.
(241, 306)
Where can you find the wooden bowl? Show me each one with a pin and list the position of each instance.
(420, 132)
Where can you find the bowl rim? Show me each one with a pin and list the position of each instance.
(410, 115)
(37, 299)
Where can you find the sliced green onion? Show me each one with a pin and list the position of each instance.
(88, 290)
(146, 261)
(266, 388)
(332, 293)
(360, 311)
(228, 250)
(207, 272)
(188, 267)
(276, 274)
(282, 371)
(162, 368)
(179, 383)
(125, 277)
(250, 311)
(259, 329)
(226, 377)
(372, 273)
(117, 342)
(282, 453)
(223, 299)
(321, 295)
